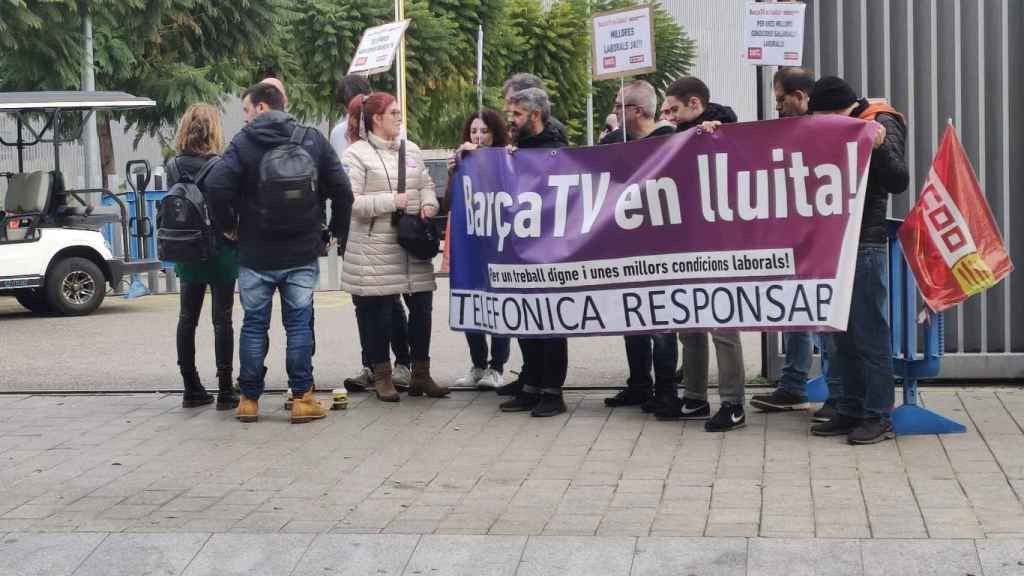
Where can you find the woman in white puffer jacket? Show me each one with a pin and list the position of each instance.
(376, 270)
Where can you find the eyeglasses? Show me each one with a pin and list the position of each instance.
(617, 106)
(395, 113)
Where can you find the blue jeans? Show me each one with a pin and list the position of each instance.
(798, 362)
(862, 360)
(659, 351)
(478, 351)
(256, 291)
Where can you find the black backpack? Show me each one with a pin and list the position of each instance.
(286, 203)
(184, 231)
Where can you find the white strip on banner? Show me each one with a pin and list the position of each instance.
(767, 305)
(661, 267)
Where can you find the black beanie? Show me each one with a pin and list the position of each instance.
(831, 93)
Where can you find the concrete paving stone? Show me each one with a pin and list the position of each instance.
(131, 554)
(678, 525)
(1001, 557)
(824, 530)
(920, 558)
(521, 521)
(356, 555)
(467, 523)
(28, 554)
(104, 525)
(247, 497)
(189, 504)
(640, 486)
(731, 530)
(734, 515)
(636, 500)
(262, 522)
(93, 503)
(32, 511)
(152, 497)
(128, 512)
(467, 555)
(898, 526)
(411, 526)
(803, 557)
(572, 525)
(793, 526)
(704, 556)
(269, 554)
(577, 556)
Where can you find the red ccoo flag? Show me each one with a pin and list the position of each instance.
(950, 238)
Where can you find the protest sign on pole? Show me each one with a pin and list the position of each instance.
(377, 48)
(754, 227)
(773, 33)
(623, 42)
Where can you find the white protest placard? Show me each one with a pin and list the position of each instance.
(773, 34)
(623, 42)
(377, 48)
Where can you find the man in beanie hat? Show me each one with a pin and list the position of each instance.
(862, 360)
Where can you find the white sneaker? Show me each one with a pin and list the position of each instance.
(491, 380)
(401, 376)
(471, 379)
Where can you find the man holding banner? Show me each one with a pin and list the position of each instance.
(863, 355)
(546, 360)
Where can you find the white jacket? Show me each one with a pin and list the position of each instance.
(374, 264)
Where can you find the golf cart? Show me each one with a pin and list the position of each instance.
(53, 256)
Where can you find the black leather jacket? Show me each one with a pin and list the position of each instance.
(888, 174)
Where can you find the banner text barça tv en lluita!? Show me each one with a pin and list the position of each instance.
(753, 227)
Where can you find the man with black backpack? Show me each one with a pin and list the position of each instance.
(277, 176)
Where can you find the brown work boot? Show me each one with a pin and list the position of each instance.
(422, 383)
(248, 409)
(382, 383)
(307, 408)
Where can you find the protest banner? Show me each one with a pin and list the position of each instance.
(754, 227)
(773, 34)
(950, 239)
(377, 47)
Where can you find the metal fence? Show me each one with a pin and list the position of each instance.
(941, 60)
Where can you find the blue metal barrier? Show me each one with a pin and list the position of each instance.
(908, 366)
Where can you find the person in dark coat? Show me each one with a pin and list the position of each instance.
(199, 140)
(545, 360)
(277, 251)
(865, 389)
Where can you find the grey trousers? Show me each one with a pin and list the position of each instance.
(731, 376)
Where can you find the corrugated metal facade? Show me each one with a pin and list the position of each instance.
(935, 60)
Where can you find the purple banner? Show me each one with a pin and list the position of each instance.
(752, 227)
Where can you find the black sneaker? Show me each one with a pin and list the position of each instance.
(523, 402)
(871, 431)
(629, 397)
(685, 409)
(549, 405)
(824, 414)
(513, 388)
(728, 417)
(839, 425)
(780, 401)
(662, 400)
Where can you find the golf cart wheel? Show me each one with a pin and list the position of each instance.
(34, 300)
(75, 287)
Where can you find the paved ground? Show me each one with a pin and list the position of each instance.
(454, 486)
(129, 345)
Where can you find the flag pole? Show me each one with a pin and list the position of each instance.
(480, 70)
(400, 71)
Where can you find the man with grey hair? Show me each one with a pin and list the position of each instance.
(637, 105)
(545, 360)
(523, 81)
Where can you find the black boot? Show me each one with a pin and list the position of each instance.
(227, 399)
(195, 395)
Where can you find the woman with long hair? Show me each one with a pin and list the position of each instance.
(376, 269)
(484, 128)
(200, 139)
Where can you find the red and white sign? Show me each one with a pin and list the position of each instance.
(950, 238)
(774, 33)
(376, 50)
(623, 42)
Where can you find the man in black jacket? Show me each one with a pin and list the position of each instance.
(637, 104)
(545, 360)
(688, 104)
(863, 356)
(278, 250)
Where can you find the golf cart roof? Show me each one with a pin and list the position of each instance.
(52, 101)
